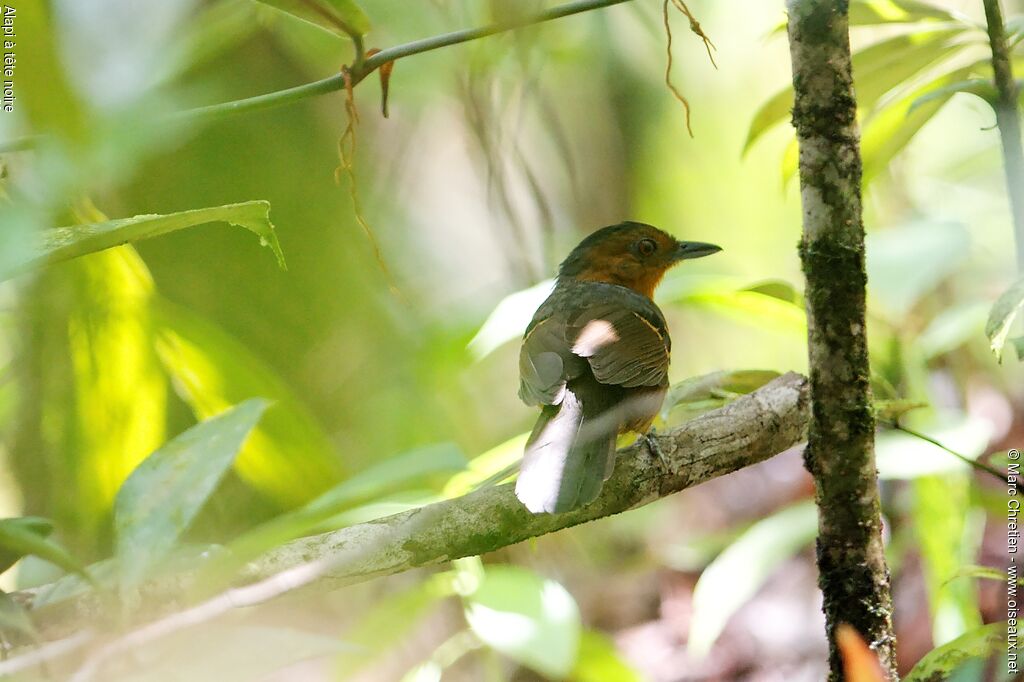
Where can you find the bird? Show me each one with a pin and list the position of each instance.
(595, 359)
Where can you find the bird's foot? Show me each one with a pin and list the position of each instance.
(650, 440)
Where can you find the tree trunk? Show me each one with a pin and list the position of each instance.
(840, 452)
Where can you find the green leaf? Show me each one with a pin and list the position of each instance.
(952, 327)
(22, 536)
(119, 395)
(948, 535)
(873, 12)
(484, 468)
(892, 410)
(1002, 315)
(892, 127)
(288, 457)
(900, 455)
(980, 87)
(942, 662)
(732, 578)
(980, 572)
(530, 619)
(877, 69)
(32, 524)
(341, 17)
(165, 492)
(908, 261)
(715, 385)
(64, 243)
(394, 474)
(509, 319)
(599, 661)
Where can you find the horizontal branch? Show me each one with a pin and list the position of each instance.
(358, 71)
(749, 430)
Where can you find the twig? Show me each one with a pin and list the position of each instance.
(980, 466)
(359, 69)
(753, 428)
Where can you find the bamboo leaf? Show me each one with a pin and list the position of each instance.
(165, 492)
(1000, 318)
(341, 17)
(64, 243)
(877, 69)
(942, 662)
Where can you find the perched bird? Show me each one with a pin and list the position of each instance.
(595, 358)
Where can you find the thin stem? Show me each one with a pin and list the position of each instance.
(963, 458)
(1008, 120)
(359, 70)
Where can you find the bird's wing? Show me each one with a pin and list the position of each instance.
(624, 347)
(546, 363)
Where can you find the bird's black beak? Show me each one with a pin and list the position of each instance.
(687, 250)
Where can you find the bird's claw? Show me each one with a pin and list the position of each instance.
(650, 440)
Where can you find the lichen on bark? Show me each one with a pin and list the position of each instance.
(853, 575)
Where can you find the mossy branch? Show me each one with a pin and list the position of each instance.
(749, 430)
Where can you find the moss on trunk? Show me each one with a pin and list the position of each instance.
(840, 452)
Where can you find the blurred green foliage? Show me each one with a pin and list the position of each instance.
(129, 373)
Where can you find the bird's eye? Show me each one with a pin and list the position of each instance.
(646, 247)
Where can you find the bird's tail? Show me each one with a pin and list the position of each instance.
(569, 455)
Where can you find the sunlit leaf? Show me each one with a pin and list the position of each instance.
(891, 128)
(501, 458)
(908, 261)
(979, 87)
(288, 457)
(509, 319)
(871, 12)
(754, 308)
(599, 661)
(732, 578)
(63, 243)
(948, 533)
(165, 492)
(715, 385)
(22, 536)
(1004, 312)
(900, 455)
(119, 391)
(530, 619)
(341, 17)
(877, 69)
(942, 662)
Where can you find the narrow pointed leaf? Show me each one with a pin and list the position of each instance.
(64, 243)
(942, 662)
(21, 536)
(341, 17)
(165, 492)
(1004, 312)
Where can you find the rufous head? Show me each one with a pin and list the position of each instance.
(630, 254)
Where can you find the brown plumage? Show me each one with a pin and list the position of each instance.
(595, 357)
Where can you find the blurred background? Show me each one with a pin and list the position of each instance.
(498, 156)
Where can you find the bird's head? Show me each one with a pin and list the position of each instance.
(634, 255)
